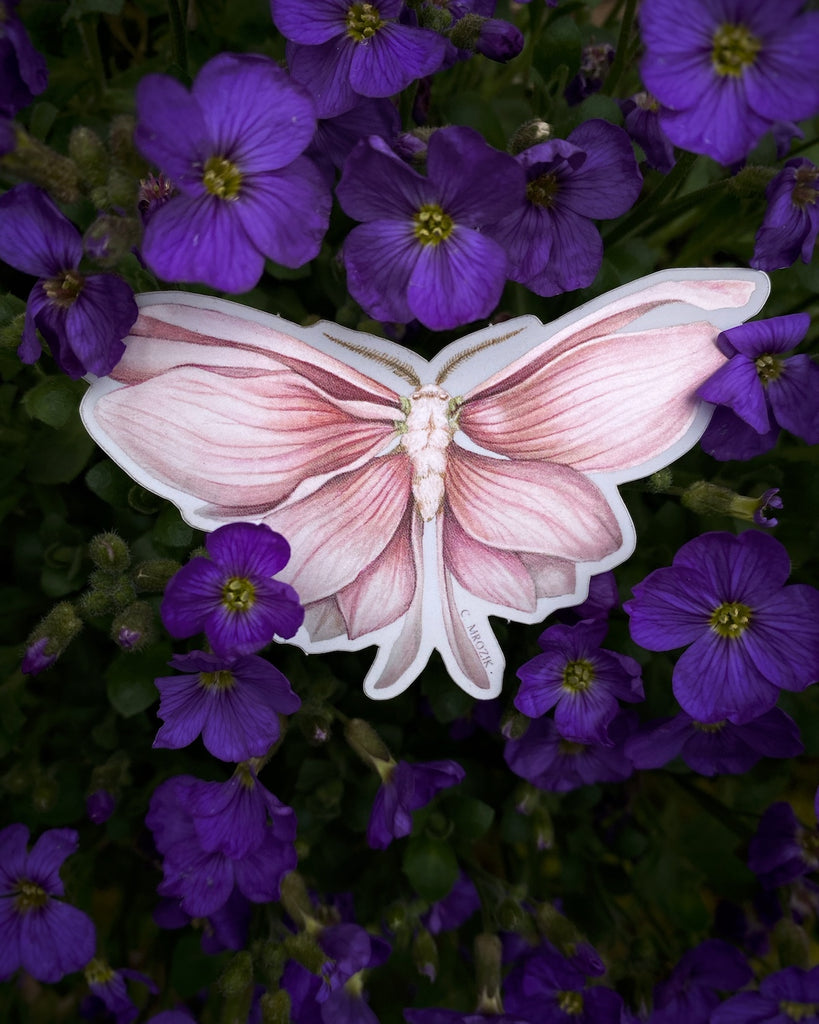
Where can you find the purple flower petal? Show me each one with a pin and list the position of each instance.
(256, 116)
(457, 281)
(736, 384)
(47, 856)
(171, 130)
(55, 940)
(199, 239)
(35, 237)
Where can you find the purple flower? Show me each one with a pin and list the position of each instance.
(552, 243)
(109, 993)
(424, 252)
(235, 704)
(783, 849)
(641, 119)
(791, 221)
(580, 680)
(231, 596)
(455, 908)
(404, 789)
(747, 635)
(172, 1017)
(714, 748)
(23, 71)
(226, 928)
(216, 835)
(602, 598)
(727, 71)
(549, 761)
(761, 388)
(232, 147)
(545, 987)
(691, 993)
(41, 934)
(343, 50)
(329, 999)
(336, 137)
(595, 62)
(99, 806)
(82, 317)
(786, 996)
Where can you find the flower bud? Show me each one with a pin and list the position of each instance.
(305, 950)
(41, 165)
(488, 953)
(99, 806)
(530, 133)
(50, 638)
(152, 577)
(87, 151)
(275, 1007)
(425, 954)
(238, 975)
(706, 498)
(134, 628)
(366, 742)
(109, 551)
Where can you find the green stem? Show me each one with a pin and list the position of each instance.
(179, 40)
(653, 206)
(91, 44)
(621, 53)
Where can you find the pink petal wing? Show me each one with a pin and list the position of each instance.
(552, 577)
(608, 404)
(499, 577)
(323, 620)
(401, 659)
(383, 591)
(240, 440)
(179, 332)
(709, 294)
(538, 507)
(471, 650)
(340, 529)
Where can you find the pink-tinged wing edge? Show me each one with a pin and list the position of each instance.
(189, 331)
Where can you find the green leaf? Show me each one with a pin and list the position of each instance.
(470, 816)
(431, 866)
(172, 530)
(56, 457)
(559, 45)
(130, 680)
(53, 400)
(78, 8)
(109, 482)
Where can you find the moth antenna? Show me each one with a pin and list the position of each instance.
(398, 368)
(449, 366)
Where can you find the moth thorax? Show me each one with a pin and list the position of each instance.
(428, 432)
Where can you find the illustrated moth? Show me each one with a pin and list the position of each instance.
(419, 498)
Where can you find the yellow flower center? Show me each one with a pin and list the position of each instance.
(431, 225)
(64, 289)
(730, 619)
(238, 594)
(542, 190)
(768, 368)
(30, 896)
(570, 748)
(710, 726)
(222, 178)
(570, 1003)
(98, 972)
(363, 21)
(578, 676)
(734, 49)
(221, 680)
(797, 1011)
